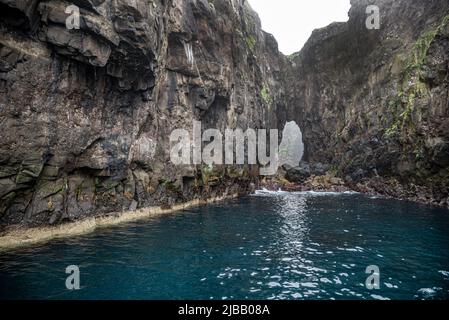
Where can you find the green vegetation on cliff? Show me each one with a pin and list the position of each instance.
(412, 86)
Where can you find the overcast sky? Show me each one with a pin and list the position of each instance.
(292, 21)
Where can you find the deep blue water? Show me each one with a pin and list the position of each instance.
(269, 246)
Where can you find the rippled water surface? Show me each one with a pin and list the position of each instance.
(267, 246)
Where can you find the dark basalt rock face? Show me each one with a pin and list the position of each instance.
(374, 103)
(86, 114)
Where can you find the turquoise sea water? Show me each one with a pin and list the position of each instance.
(272, 245)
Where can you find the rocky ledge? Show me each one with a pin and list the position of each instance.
(320, 178)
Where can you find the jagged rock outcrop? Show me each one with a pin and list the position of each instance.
(373, 104)
(86, 113)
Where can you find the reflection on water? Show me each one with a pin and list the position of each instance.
(273, 245)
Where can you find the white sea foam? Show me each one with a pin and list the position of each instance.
(274, 284)
(309, 284)
(429, 292)
(295, 285)
(325, 193)
(444, 273)
(337, 280)
(378, 297)
(391, 286)
(266, 192)
(325, 280)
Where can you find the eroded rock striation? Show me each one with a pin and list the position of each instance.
(86, 113)
(374, 104)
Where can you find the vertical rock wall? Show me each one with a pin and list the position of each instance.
(374, 103)
(86, 114)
